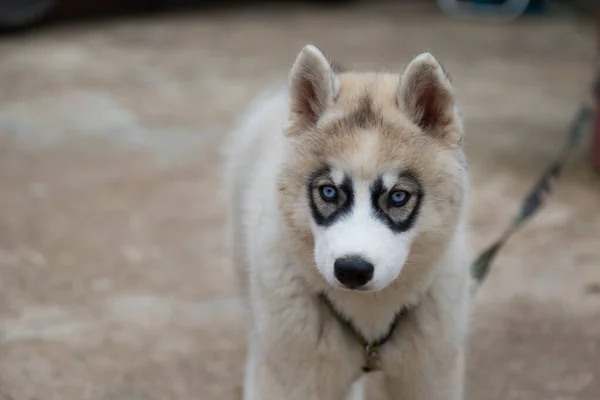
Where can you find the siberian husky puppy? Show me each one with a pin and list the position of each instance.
(348, 213)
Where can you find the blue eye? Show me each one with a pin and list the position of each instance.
(399, 198)
(328, 193)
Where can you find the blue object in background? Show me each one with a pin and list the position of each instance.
(537, 7)
(493, 10)
(534, 7)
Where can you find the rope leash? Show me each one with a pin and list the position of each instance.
(538, 195)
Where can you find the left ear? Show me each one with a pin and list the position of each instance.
(426, 95)
(312, 89)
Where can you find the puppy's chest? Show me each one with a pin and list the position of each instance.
(372, 336)
(383, 354)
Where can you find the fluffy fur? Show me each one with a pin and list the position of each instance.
(366, 135)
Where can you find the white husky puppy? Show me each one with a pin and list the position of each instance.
(348, 212)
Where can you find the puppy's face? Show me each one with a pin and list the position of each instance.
(362, 226)
(374, 177)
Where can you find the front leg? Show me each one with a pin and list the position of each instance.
(318, 382)
(426, 379)
(425, 360)
(300, 356)
(271, 376)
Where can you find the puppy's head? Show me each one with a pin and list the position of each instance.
(374, 176)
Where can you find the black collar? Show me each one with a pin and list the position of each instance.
(371, 348)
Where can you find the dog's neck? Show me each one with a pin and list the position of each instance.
(371, 314)
(371, 347)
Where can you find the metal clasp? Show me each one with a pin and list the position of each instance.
(373, 361)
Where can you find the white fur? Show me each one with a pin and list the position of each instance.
(363, 235)
(296, 349)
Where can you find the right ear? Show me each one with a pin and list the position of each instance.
(312, 89)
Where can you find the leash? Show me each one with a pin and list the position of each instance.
(538, 195)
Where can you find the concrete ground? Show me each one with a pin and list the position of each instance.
(114, 279)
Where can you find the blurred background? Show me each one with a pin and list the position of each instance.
(115, 282)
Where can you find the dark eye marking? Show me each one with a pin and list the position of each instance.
(328, 203)
(396, 201)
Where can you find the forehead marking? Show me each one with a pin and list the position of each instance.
(364, 116)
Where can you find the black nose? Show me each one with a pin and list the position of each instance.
(353, 272)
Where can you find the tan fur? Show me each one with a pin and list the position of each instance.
(297, 349)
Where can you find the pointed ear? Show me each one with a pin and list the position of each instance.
(312, 89)
(426, 95)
